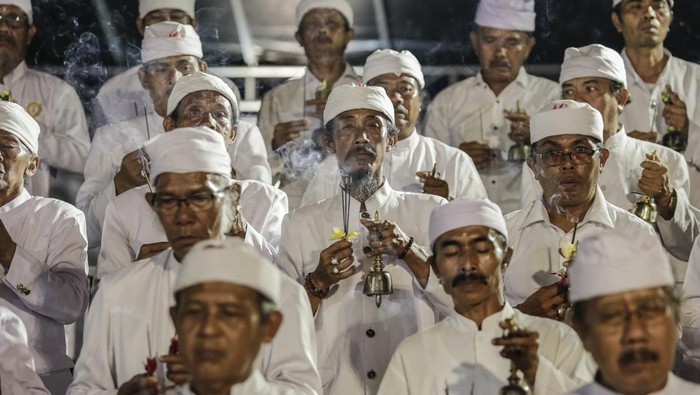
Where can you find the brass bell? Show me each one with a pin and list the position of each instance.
(378, 281)
(674, 140)
(645, 208)
(514, 386)
(518, 153)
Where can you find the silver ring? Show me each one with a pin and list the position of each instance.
(335, 270)
(334, 260)
(561, 311)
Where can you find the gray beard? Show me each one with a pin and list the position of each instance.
(8, 63)
(363, 184)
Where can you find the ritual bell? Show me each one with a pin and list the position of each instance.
(518, 153)
(674, 140)
(514, 386)
(378, 282)
(645, 208)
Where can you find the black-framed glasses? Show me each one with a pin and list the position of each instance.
(13, 20)
(200, 201)
(579, 156)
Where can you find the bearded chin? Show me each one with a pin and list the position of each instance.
(363, 184)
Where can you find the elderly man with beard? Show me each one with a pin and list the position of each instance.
(64, 140)
(409, 165)
(567, 158)
(128, 320)
(43, 251)
(470, 255)
(487, 114)
(356, 337)
(292, 110)
(132, 230)
(626, 312)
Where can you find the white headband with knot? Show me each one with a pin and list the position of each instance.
(146, 6)
(388, 61)
(16, 121)
(355, 97)
(165, 39)
(593, 60)
(561, 117)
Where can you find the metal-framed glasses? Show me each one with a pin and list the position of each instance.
(200, 201)
(579, 156)
(15, 21)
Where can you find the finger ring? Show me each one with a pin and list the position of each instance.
(561, 311)
(334, 260)
(335, 270)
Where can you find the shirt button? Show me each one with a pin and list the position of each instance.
(495, 128)
(493, 181)
(371, 374)
(370, 332)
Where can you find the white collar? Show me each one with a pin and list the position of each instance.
(598, 212)
(489, 324)
(16, 202)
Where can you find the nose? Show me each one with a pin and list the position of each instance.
(635, 330)
(396, 98)
(183, 213)
(649, 12)
(209, 121)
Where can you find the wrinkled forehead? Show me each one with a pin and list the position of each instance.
(11, 9)
(628, 298)
(565, 140)
(183, 183)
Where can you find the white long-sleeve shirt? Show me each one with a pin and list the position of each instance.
(690, 317)
(536, 241)
(457, 357)
(285, 103)
(355, 338)
(17, 375)
(112, 142)
(684, 79)
(64, 140)
(255, 384)
(46, 285)
(134, 303)
(131, 223)
(410, 155)
(619, 180)
(469, 111)
(674, 386)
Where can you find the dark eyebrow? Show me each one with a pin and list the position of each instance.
(592, 81)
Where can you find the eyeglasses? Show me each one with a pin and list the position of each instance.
(200, 201)
(579, 156)
(15, 21)
(648, 312)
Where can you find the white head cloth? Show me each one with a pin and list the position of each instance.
(354, 97)
(146, 6)
(197, 82)
(229, 261)
(612, 263)
(188, 150)
(341, 6)
(506, 14)
(616, 2)
(164, 39)
(388, 61)
(593, 60)
(566, 117)
(16, 121)
(24, 5)
(461, 213)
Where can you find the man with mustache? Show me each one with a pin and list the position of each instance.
(567, 158)
(356, 337)
(626, 311)
(408, 166)
(663, 88)
(292, 110)
(128, 320)
(487, 114)
(64, 140)
(468, 352)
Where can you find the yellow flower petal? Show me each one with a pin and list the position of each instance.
(568, 250)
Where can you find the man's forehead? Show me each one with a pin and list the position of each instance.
(5, 135)
(630, 297)
(466, 232)
(392, 77)
(206, 96)
(173, 60)
(486, 31)
(564, 139)
(219, 291)
(586, 80)
(10, 8)
(319, 13)
(359, 113)
(168, 181)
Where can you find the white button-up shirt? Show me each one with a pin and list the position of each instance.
(131, 311)
(536, 242)
(410, 155)
(684, 79)
(457, 357)
(46, 285)
(674, 386)
(285, 103)
(255, 384)
(469, 111)
(112, 142)
(17, 375)
(64, 140)
(355, 338)
(131, 223)
(689, 344)
(619, 183)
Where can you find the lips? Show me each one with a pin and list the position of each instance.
(210, 354)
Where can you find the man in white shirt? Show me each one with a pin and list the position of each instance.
(43, 251)
(132, 230)
(329, 247)
(487, 114)
(64, 139)
(291, 111)
(128, 320)
(224, 313)
(663, 88)
(470, 255)
(596, 75)
(408, 166)
(626, 311)
(17, 374)
(567, 158)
